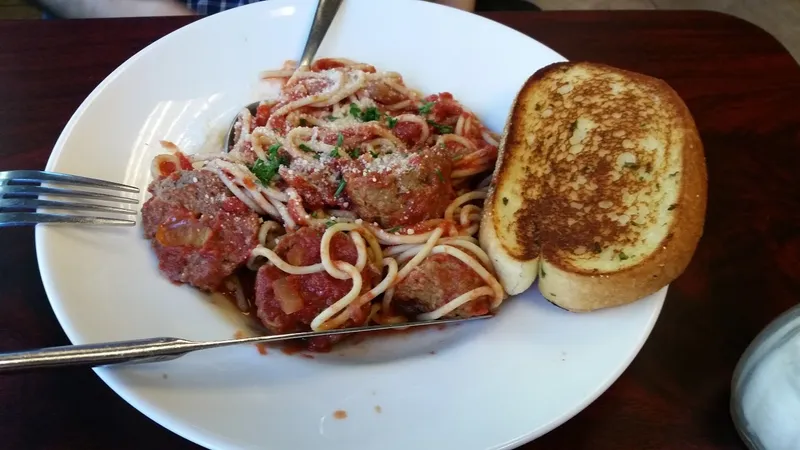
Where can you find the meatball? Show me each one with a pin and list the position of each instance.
(439, 279)
(314, 181)
(200, 232)
(400, 188)
(289, 303)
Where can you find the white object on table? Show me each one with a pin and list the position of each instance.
(765, 395)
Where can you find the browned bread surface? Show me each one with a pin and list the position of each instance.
(600, 187)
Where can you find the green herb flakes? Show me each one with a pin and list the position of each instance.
(265, 170)
(340, 189)
(426, 108)
(442, 129)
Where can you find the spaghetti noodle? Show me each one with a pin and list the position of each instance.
(368, 197)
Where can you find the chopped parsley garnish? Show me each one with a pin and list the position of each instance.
(672, 206)
(330, 223)
(630, 165)
(339, 140)
(354, 153)
(265, 170)
(393, 230)
(374, 154)
(622, 256)
(308, 149)
(458, 157)
(340, 189)
(439, 174)
(355, 111)
(370, 114)
(505, 200)
(303, 122)
(391, 122)
(426, 108)
(331, 118)
(442, 129)
(366, 115)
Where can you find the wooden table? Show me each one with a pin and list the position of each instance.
(743, 89)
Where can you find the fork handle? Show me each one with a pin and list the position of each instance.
(323, 17)
(18, 219)
(92, 355)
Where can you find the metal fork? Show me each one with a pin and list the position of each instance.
(20, 202)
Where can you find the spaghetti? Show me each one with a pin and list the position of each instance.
(366, 195)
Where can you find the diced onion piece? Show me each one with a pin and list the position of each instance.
(295, 256)
(287, 296)
(182, 232)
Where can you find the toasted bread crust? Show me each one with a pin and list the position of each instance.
(582, 293)
(515, 274)
(539, 231)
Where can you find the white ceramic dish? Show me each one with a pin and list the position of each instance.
(494, 384)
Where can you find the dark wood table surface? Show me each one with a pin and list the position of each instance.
(743, 89)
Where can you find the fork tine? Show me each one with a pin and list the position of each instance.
(40, 175)
(20, 203)
(59, 192)
(18, 219)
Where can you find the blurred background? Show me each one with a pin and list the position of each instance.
(781, 18)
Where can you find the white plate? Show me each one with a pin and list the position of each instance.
(492, 384)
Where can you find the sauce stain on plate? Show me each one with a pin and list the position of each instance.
(346, 419)
(261, 347)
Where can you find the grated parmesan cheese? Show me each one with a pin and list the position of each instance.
(396, 162)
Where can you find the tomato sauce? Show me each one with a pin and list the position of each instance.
(445, 110)
(408, 132)
(186, 163)
(317, 290)
(166, 168)
(263, 113)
